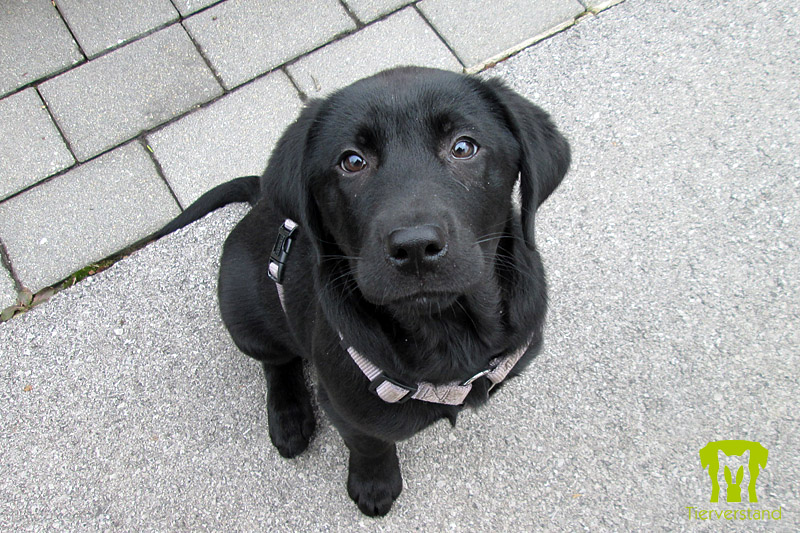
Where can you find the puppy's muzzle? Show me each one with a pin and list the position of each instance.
(417, 249)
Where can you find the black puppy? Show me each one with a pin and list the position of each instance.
(385, 247)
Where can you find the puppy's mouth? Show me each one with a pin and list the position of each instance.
(425, 302)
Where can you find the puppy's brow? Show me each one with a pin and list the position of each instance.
(442, 123)
(368, 137)
(445, 124)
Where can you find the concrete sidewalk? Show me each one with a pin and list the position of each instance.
(672, 254)
(116, 115)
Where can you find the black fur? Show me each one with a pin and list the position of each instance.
(478, 293)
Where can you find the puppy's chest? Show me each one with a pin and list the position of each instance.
(456, 360)
(443, 351)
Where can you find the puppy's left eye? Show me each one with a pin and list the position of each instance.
(352, 162)
(464, 148)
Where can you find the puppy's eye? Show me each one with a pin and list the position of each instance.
(352, 162)
(464, 149)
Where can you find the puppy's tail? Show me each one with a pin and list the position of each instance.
(244, 189)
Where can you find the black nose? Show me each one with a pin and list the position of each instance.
(417, 249)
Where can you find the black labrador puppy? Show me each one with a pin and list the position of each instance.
(385, 246)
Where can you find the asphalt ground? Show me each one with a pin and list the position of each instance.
(671, 250)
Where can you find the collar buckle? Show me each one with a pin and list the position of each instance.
(477, 376)
(493, 364)
(280, 251)
(391, 390)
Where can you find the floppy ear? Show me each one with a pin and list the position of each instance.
(286, 177)
(544, 152)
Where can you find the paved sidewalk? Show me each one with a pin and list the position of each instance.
(116, 115)
(671, 250)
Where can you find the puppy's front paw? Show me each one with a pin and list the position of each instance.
(291, 423)
(374, 485)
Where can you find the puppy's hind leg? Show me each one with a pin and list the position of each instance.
(253, 316)
(289, 411)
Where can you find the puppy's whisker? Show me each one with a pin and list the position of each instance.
(330, 257)
(511, 266)
(466, 187)
(467, 314)
(384, 294)
(490, 237)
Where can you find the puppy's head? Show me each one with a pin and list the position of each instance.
(408, 176)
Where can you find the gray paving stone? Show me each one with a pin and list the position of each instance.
(232, 137)
(187, 7)
(34, 42)
(8, 292)
(484, 31)
(111, 99)
(368, 10)
(31, 148)
(85, 215)
(243, 39)
(402, 39)
(102, 24)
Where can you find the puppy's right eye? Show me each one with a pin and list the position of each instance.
(352, 162)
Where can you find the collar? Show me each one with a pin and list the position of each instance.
(387, 389)
(393, 391)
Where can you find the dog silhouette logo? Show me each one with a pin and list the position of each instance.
(732, 454)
